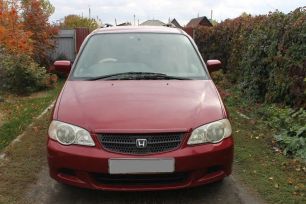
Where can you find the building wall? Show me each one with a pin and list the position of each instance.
(205, 23)
(189, 31)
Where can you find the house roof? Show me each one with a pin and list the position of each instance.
(152, 23)
(124, 24)
(195, 22)
(176, 23)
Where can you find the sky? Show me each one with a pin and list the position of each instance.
(182, 10)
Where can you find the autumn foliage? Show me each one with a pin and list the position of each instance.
(13, 35)
(24, 28)
(74, 21)
(25, 42)
(36, 22)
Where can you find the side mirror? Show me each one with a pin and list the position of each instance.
(62, 66)
(213, 65)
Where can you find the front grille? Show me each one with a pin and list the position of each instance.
(126, 143)
(141, 179)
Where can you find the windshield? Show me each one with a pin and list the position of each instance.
(169, 55)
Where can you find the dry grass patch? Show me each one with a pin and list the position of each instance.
(23, 162)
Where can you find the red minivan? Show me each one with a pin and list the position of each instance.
(139, 112)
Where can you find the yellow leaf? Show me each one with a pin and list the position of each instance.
(290, 181)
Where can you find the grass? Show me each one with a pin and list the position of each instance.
(18, 112)
(277, 178)
(23, 162)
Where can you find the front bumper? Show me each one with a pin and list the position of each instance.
(87, 167)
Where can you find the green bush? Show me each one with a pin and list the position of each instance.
(265, 56)
(21, 74)
(1, 68)
(61, 56)
(292, 137)
(293, 142)
(290, 127)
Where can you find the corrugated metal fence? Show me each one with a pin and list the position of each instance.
(68, 43)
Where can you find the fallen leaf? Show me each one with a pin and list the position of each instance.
(276, 185)
(276, 149)
(35, 129)
(290, 181)
(301, 186)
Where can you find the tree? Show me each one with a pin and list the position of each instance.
(74, 21)
(245, 14)
(213, 22)
(13, 36)
(35, 15)
(47, 7)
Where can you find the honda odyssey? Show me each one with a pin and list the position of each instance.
(139, 111)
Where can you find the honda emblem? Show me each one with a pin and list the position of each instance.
(141, 143)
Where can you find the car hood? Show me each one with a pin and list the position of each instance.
(139, 106)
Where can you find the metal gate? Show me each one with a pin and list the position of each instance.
(68, 42)
(65, 45)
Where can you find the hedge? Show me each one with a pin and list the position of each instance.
(265, 56)
(20, 74)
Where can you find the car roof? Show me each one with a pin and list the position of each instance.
(139, 29)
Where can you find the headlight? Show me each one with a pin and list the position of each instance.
(67, 134)
(211, 133)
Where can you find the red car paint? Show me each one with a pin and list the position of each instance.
(139, 106)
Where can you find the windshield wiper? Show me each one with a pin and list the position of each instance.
(117, 75)
(137, 75)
